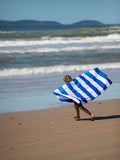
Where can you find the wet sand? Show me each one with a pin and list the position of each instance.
(54, 134)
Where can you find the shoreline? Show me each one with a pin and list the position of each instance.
(54, 134)
(36, 92)
(60, 105)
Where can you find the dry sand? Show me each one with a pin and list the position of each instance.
(53, 134)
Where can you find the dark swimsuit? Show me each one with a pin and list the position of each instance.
(78, 104)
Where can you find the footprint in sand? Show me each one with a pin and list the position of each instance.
(2, 147)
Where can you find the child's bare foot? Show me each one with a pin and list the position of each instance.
(92, 117)
(76, 118)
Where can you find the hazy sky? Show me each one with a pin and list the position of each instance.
(64, 11)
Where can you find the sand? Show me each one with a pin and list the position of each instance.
(53, 134)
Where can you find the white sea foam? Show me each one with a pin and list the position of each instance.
(62, 49)
(55, 69)
(61, 40)
(60, 44)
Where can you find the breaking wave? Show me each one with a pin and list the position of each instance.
(60, 44)
(55, 69)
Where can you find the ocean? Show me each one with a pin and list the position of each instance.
(33, 63)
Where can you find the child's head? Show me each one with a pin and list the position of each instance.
(67, 78)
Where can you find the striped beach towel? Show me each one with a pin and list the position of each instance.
(84, 88)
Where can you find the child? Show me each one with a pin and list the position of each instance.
(77, 106)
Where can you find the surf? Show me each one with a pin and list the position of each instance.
(55, 69)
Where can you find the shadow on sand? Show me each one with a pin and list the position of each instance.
(101, 118)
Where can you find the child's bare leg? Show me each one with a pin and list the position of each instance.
(88, 112)
(77, 111)
(85, 110)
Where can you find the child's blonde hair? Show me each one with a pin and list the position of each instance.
(67, 78)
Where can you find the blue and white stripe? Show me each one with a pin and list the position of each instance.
(84, 88)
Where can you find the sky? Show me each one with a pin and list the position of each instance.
(63, 11)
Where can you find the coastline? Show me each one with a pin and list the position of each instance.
(27, 93)
(54, 134)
